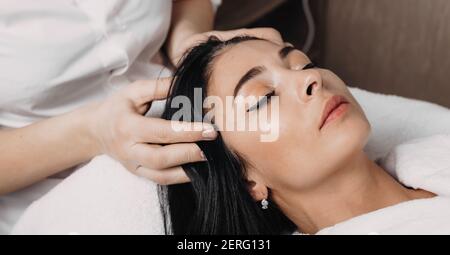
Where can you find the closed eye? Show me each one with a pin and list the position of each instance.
(309, 66)
(262, 102)
(266, 99)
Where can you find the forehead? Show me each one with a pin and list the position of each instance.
(236, 60)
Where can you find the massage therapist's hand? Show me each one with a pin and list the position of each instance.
(176, 52)
(121, 131)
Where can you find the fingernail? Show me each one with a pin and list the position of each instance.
(202, 154)
(209, 134)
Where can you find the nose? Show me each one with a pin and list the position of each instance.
(309, 84)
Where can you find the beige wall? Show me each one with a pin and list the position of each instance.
(237, 13)
(390, 46)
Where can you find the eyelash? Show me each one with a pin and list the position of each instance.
(266, 99)
(309, 66)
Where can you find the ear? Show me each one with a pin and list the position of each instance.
(257, 190)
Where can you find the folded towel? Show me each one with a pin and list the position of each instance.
(422, 164)
(396, 120)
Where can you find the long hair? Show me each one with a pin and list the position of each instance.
(217, 200)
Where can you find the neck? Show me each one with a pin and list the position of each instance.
(361, 187)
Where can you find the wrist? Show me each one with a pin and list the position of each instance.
(174, 48)
(87, 126)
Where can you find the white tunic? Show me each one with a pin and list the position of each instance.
(57, 55)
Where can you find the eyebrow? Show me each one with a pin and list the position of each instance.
(255, 71)
(285, 51)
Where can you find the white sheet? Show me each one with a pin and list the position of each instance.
(103, 198)
(422, 163)
(417, 217)
(100, 198)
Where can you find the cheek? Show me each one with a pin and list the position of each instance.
(264, 157)
(303, 161)
(248, 144)
(288, 157)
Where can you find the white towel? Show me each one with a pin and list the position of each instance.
(396, 119)
(422, 163)
(101, 198)
(416, 217)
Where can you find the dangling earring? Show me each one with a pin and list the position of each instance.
(264, 204)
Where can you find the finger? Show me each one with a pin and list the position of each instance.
(267, 33)
(174, 175)
(142, 92)
(226, 35)
(162, 157)
(263, 33)
(154, 130)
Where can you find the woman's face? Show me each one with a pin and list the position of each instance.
(304, 152)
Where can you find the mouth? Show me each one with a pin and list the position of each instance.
(335, 107)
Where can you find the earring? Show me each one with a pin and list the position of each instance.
(264, 204)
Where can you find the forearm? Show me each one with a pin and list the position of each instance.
(189, 17)
(31, 153)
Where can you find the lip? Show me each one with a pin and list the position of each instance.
(332, 104)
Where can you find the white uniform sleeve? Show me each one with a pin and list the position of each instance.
(216, 4)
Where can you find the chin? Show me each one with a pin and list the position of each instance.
(347, 138)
